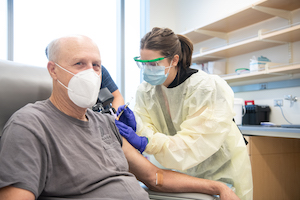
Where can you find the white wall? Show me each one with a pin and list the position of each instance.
(163, 13)
(266, 97)
(182, 15)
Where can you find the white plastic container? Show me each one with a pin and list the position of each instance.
(240, 111)
(216, 67)
(257, 66)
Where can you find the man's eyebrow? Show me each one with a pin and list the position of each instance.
(98, 62)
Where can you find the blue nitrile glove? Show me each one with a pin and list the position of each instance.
(127, 117)
(136, 141)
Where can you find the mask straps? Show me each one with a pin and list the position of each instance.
(64, 85)
(64, 69)
(169, 68)
(61, 82)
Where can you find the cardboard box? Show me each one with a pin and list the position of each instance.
(261, 65)
(257, 66)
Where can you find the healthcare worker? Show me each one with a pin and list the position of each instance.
(184, 116)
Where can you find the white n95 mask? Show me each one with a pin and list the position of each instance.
(83, 87)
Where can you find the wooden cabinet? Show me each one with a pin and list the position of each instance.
(275, 165)
(263, 39)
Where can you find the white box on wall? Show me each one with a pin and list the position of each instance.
(217, 67)
(211, 67)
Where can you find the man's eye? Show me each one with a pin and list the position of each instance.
(79, 63)
(97, 67)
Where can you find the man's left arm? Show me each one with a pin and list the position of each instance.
(170, 181)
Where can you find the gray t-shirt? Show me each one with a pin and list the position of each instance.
(56, 156)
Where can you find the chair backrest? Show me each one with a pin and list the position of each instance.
(21, 84)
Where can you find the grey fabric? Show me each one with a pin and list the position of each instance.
(21, 84)
(56, 156)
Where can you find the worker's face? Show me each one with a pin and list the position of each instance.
(169, 63)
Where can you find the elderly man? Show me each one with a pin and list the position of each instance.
(58, 149)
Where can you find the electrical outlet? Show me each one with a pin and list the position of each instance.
(263, 86)
(278, 102)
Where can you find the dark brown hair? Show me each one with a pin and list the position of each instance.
(168, 43)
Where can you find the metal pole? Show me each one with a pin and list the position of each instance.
(121, 46)
(145, 22)
(10, 30)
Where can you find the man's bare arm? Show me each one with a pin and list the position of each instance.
(171, 181)
(13, 193)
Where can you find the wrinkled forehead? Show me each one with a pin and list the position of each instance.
(78, 45)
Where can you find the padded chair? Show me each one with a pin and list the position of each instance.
(21, 84)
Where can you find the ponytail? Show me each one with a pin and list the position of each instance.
(186, 51)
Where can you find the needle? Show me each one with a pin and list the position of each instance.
(126, 105)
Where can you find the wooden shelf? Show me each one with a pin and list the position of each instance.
(290, 34)
(284, 70)
(240, 19)
(250, 15)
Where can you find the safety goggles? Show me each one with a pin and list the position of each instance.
(148, 63)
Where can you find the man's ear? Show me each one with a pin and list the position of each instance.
(52, 69)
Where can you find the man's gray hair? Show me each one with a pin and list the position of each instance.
(52, 50)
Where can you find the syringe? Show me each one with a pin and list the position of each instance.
(126, 105)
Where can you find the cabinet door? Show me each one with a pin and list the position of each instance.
(275, 167)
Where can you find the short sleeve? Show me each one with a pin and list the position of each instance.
(23, 161)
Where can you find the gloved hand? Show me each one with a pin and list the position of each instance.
(136, 141)
(127, 117)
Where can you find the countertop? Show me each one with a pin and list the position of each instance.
(258, 130)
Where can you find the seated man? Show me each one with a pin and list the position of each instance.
(58, 149)
(107, 82)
